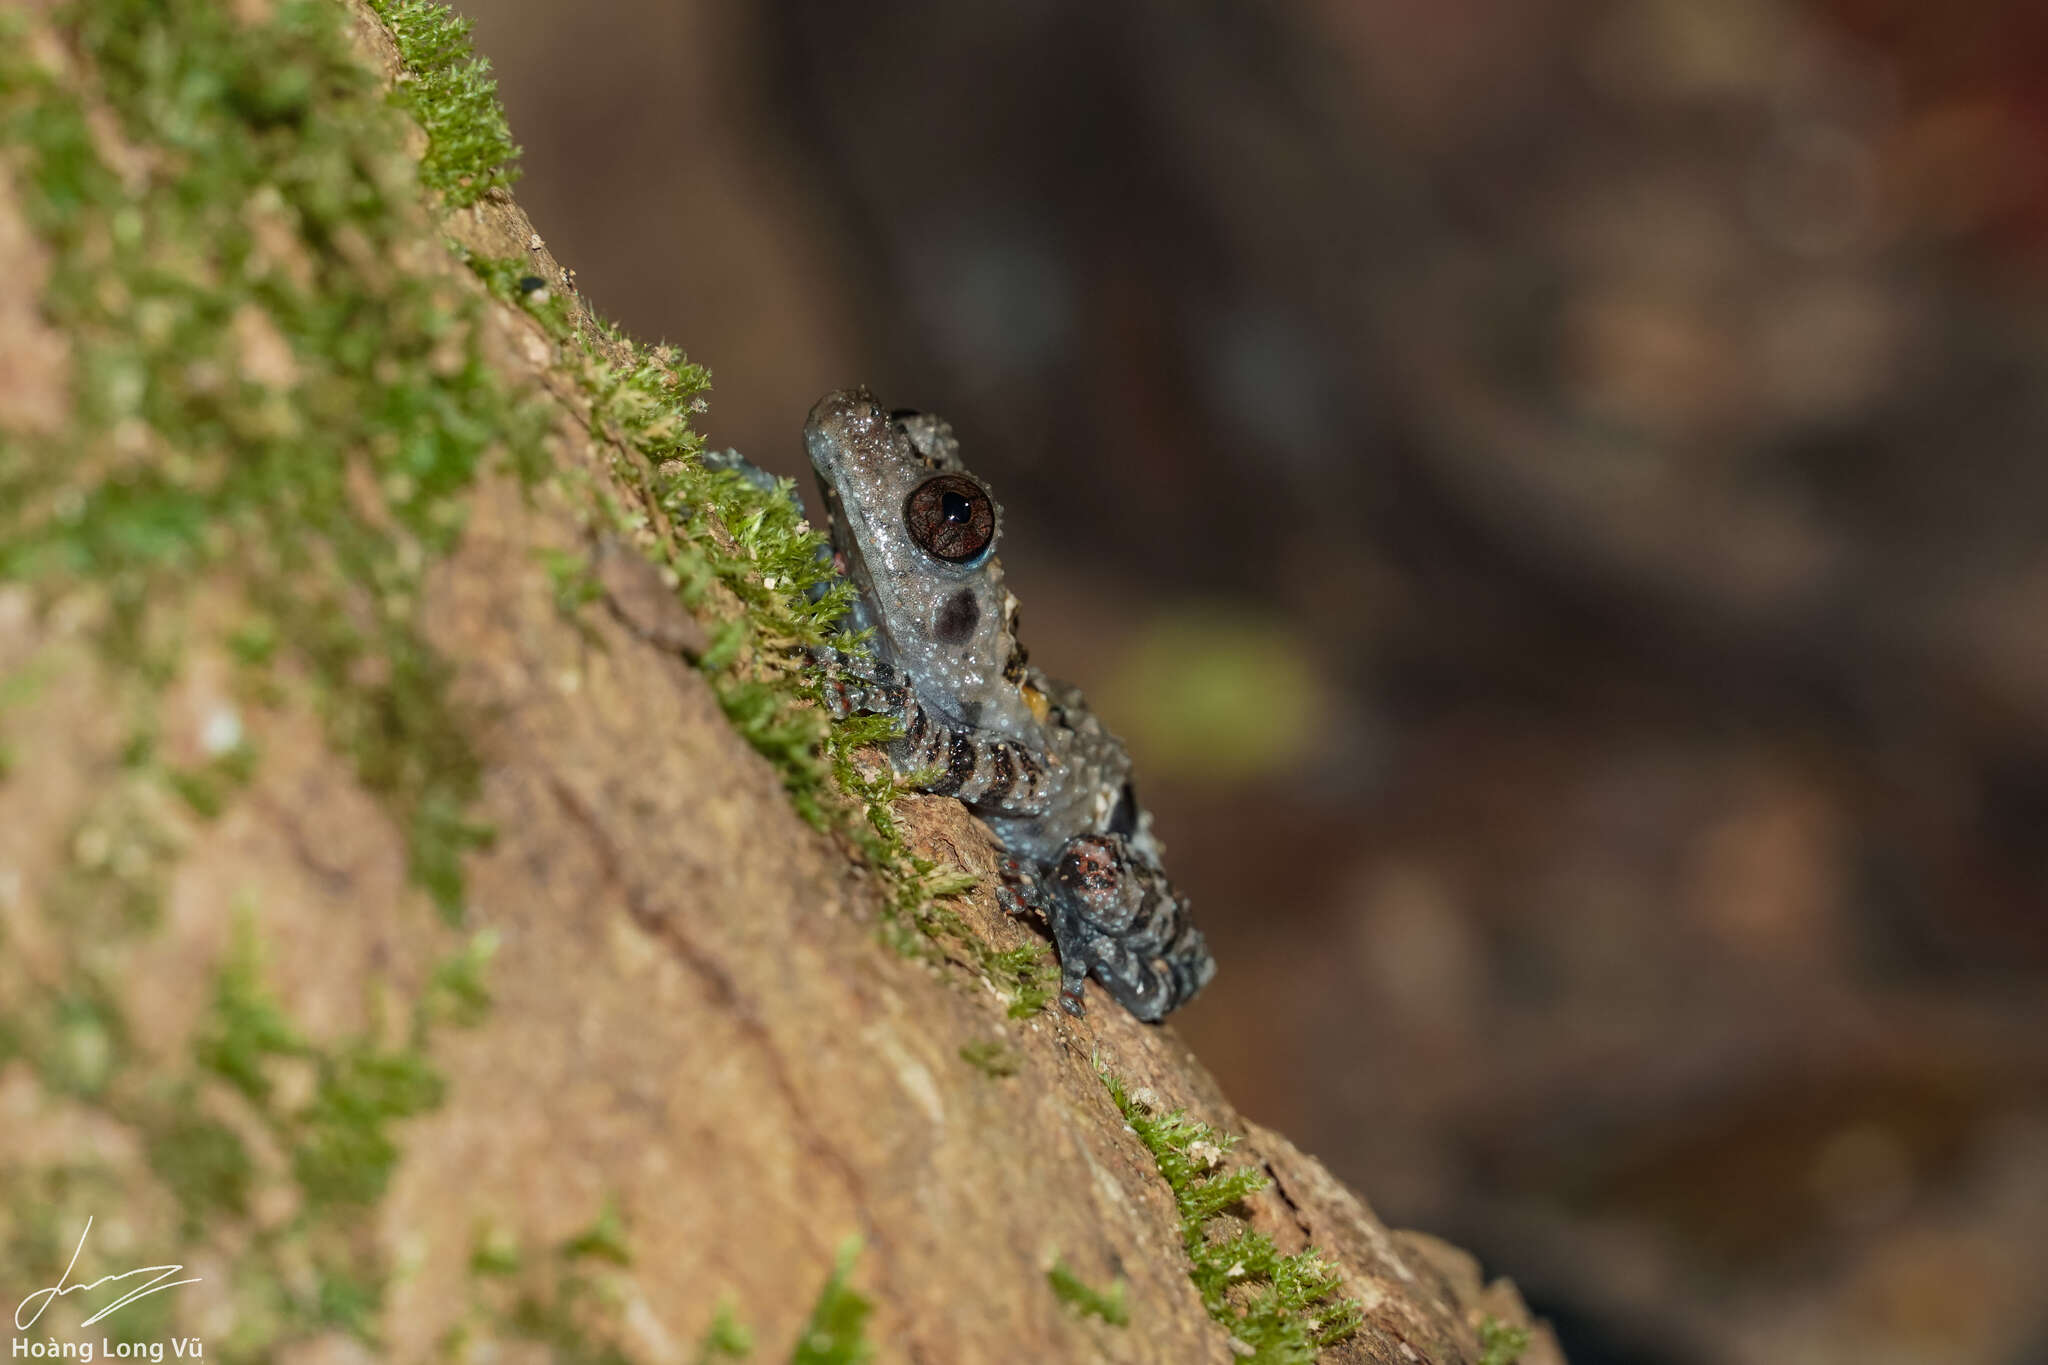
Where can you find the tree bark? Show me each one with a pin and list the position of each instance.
(698, 1039)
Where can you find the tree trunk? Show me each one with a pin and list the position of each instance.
(237, 1034)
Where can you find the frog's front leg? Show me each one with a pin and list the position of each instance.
(992, 775)
(860, 686)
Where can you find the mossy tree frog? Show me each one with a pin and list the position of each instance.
(916, 534)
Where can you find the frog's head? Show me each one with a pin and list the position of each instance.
(918, 534)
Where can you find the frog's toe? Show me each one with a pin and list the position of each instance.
(1021, 891)
(1078, 957)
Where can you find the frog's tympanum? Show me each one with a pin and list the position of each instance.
(916, 534)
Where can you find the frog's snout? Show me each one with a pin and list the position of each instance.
(846, 423)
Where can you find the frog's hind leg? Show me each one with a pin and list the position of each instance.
(1151, 985)
(1118, 919)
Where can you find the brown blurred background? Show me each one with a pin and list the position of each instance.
(1556, 495)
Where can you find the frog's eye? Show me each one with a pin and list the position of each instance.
(950, 517)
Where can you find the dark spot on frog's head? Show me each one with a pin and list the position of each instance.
(957, 618)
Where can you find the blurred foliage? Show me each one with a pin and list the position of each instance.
(1215, 693)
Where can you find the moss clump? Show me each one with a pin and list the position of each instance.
(1086, 1300)
(1283, 1310)
(81, 1050)
(495, 1251)
(837, 1331)
(265, 377)
(342, 1148)
(457, 992)
(345, 1151)
(604, 1239)
(206, 787)
(246, 1027)
(578, 1311)
(296, 1207)
(121, 851)
(991, 1058)
(203, 1162)
(341, 1143)
(559, 1300)
(725, 1339)
(450, 91)
(1501, 1343)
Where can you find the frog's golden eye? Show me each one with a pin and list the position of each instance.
(950, 517)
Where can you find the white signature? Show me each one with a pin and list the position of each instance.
(50, 1295)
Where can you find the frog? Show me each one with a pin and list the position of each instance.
(915, 533)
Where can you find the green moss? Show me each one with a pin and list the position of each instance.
(258, 384)
(269, 391)
(992, 1058)
(206, 787)
(837, 1331)
(495, 1251)
(341, 1140)
(604, 1239)
(122, 850)
(576, 1309)
(202, 1162)
(246, 1026)
(567, 1324)
(82, 1047)
(312, 1265)
(342, 1148)
(1027, 974)
(1086, 1300)
(575, 582)
(450, 91)
(349, 1301)
(457, 992)
(345, 1151)
(1501, 1343)
(559, 1301)
(1282, 1309)
(725, 1338)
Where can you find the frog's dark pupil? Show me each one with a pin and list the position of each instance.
(950, 518)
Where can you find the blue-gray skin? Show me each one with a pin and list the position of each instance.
(916, 535)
